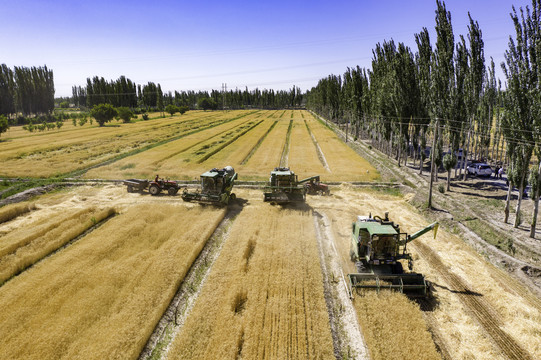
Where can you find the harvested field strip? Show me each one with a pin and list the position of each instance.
(480, 308)
(256, 146)
(302, 157)
(68, 229)
(285, 150)
(320, 154)
(393, 327)
(10, 212)
(345, 163)
(106, 292)
(264, 296)
(229, 142)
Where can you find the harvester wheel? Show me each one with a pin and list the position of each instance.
(172, 191)
(130, 188)
(154, 189)
(232, 197)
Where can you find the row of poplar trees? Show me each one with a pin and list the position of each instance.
(124, 92)
(29, 91)
(447, 92)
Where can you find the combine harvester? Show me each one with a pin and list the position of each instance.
(216, 186)
(377, 245)
(284, 188)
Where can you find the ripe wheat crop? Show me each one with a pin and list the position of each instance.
(303, 158)
(345, 164)
(51, 153)
(176, 159)
(268, 154)
(10, 212)
(102, 297)
(393, 327)
(264, 296)
(27, 245)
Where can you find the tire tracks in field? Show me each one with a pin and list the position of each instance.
(319, 152)
(179, 308)
(348, 341)
(284, 159)
(482, 311)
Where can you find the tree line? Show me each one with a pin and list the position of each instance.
(29, 91)
(443, 96)
(125, 93)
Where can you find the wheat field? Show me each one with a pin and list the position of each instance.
(303, 158)
(27, 245)
(264, 296)
(57, 152)
(101, 297)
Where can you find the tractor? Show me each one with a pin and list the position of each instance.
(377, 246)
(314, 186)
(155, 186)
(216, 186)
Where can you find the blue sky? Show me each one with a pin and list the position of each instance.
(194, 45)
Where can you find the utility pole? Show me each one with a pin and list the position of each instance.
(432, 167)
(224, 90)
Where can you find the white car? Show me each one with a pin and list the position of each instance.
(479, 169)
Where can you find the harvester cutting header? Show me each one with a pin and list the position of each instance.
(377, 246)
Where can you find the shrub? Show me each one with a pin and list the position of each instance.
(441, 188)
(103, 113)
(145, 116)
(125, 114)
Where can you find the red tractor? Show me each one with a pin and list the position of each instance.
(155, 186)
(313, 186)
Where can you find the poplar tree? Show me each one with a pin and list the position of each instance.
(522, 124)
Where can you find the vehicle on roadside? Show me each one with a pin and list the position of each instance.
(479, 169)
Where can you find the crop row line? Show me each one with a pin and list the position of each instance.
(319, 152)
(227, 143)
(285, 152)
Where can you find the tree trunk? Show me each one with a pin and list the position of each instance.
(449, 180)
(465, 156)
(518, 219)
(508, 202)
(432, 165)
(536, 203)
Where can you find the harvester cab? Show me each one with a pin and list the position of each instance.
(284, 187)
(377, 246)
(216, 187)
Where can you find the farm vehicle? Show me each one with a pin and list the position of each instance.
(284, 187)
(314, 186)
(216, 186)
(154, 187)
(377, 246)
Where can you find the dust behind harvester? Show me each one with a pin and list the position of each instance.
(377, 247)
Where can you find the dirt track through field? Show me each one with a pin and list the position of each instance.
(285, 152)
(481, 309)
(319, 152)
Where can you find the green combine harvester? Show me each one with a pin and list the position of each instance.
(377, 245)
(284, 188)
(216, 187)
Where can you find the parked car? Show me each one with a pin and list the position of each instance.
(479, 169)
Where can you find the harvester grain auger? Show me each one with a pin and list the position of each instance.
(216, 187)
(377, 245)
